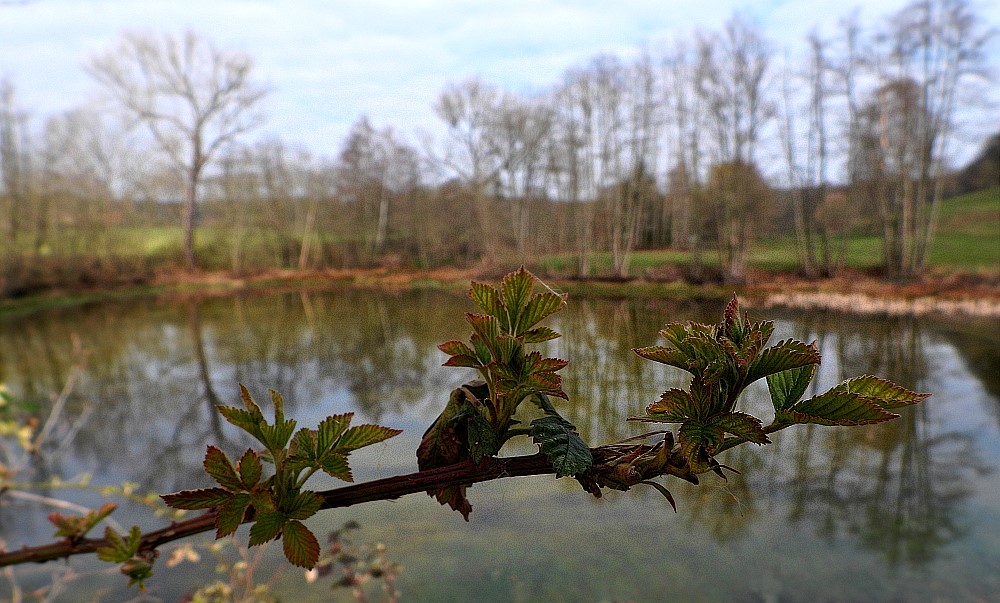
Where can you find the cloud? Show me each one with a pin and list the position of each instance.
(328, 63)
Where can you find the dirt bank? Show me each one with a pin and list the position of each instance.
(951, 295)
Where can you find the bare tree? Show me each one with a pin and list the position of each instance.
(192, 98)
(639, 136)
(469, 109)
(732, 78)
(520, 134)
(593, 109)
(376, 168)
(741, 201)
(930, 51)
(685, 121)
(14, 167)
(807, 160)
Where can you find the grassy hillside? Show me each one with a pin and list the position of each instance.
(968, 234)
(967, 239)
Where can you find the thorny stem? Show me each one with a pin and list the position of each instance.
(464, 473)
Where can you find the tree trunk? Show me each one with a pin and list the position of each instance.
(188, 219)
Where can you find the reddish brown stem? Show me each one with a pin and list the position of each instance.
(382, 489)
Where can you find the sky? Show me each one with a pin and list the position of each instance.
(327, 62)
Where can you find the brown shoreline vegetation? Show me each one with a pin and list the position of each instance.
(950, 295)
(956, 294)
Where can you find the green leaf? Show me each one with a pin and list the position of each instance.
(303, 448)
(663, 355)
(677, 333)
(218, 465)
(364, 435)
(506, 349)
(487, 328)
(134, 539)
(732, 326)
(544, 383)
(515, 289)
(786, 387)
(695, 433)
(117, 552)
(782, 356)
(330, 429)
(742, 425)
(675, 406)
(276, 436)
(279, 406)
(482, 438)
(251, 406)
(245, 420)
(231, 514)
(753, 342)
(838, 408)
(266, 527)
(881, 392)
(482, 350)
(249, 468)
(302, 505)
(335, 465)
(463, 360)
(539, 335)
(456, 348)
(544, 404)
(558, 439)
(487, 298)
(138, 571)
(261, 499)
(535, 363)
(540, 306)
(300, 545)
(204, 498)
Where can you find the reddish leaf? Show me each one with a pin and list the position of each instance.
(881, 392)
(266, 527)
(192, 500)
(675, 406)
(300, 545)
(218, 465)
(231, 515)
(249, 468)
(742, 425)
(455, 348)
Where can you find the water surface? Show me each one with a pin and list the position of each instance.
(907, 511)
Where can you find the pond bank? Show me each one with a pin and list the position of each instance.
(952, 295)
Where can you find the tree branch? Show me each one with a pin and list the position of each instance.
(389, 488)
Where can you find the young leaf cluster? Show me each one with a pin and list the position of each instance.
(278, 504)
(136, 564)
(478, 418)
(724, 359)
(76, 528)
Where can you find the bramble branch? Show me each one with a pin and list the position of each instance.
(464, 473)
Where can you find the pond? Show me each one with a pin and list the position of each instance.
(908, 510)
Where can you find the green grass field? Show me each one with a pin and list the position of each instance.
(967, 239)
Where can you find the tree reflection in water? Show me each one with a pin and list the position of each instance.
(897, 487)
(156, 369)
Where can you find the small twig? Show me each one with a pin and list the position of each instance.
(60, 401)
(58, 503)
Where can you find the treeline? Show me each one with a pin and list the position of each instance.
(705, 142)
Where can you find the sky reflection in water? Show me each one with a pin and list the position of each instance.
(907, 510)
